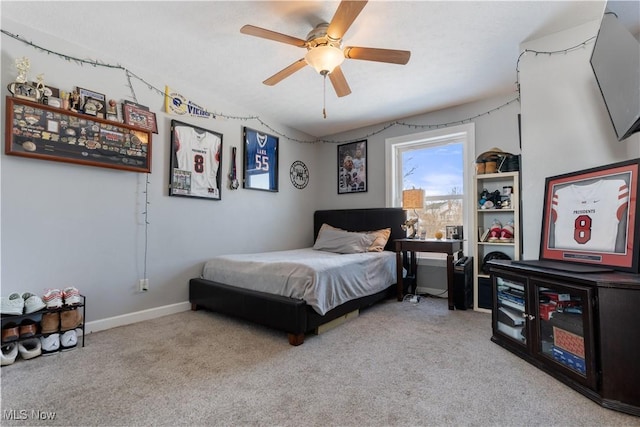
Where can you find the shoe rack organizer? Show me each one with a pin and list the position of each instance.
(36, 316)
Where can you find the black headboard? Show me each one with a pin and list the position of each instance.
(363, 220)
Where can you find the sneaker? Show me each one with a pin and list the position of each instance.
(13, 304)
(494, 231)
(71, 296)
(50, 343)
(68, 340)
(506, 234)
(50, 322)
(9, 354)
(28, 328)
(10, 332)
(70, 319)
(30, 348)
(32, 303)
(53, 298)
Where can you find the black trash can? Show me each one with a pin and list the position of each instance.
(463, 283)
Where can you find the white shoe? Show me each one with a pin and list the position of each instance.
(32, 303)
(68, 340)
(52, 298)
(50, 343)
(30, 348)
(13, 304)
(71, 296)
(9, 354)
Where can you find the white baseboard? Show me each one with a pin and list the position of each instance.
(138, 316)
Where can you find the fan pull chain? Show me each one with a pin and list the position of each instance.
(324, 96)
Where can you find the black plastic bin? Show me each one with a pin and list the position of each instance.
(463, 283)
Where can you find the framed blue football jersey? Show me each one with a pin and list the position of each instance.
(260, 160)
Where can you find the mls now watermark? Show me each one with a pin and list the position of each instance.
(24, 414)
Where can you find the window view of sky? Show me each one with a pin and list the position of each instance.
(437, 170)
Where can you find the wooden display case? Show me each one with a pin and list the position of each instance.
(44, 132)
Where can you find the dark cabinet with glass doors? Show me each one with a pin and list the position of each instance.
(583, 329)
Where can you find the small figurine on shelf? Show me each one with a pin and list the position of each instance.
(74, 101)
(40, 87)
(410, 224)
(65, 100)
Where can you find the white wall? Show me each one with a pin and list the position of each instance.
(64, 224)
(565, 125)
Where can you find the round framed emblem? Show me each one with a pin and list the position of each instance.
(299, 174)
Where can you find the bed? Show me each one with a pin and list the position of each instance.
(294, 315)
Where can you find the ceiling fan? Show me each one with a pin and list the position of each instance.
(324, 48)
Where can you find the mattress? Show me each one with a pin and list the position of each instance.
(324, 280)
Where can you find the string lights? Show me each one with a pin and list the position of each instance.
(130, 75)
(552, 52)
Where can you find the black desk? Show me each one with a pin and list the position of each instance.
(411, 246)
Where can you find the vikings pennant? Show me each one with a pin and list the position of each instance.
(174, 103)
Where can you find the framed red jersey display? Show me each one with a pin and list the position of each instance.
(590, 217)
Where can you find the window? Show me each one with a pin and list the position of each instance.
(436, 161)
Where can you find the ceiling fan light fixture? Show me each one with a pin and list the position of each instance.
(324, 59)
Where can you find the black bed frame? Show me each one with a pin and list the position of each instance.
(291, 315)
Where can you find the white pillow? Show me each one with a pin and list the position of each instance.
(342, 242)
(380, 237)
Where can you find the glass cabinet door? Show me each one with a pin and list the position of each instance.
(563, 335)
(510, 314)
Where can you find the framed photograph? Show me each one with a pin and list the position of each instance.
(51, 96)
(43, 132)
(136, 116)
(260, 165)
(590, 217)
(54, 102)
(196, 157)
(352, 167)
(92, 106)
(454, 232)
(92, 103)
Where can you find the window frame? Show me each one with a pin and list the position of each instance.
(394, 147)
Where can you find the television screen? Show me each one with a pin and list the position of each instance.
(616, 65)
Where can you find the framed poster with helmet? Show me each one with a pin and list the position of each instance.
(352, 167)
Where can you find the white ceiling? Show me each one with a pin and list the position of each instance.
(460, 51)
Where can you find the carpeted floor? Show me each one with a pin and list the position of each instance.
(396, 364)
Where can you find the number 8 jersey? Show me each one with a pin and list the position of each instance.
(586, 217)
(199, 153)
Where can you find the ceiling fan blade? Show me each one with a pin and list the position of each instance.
(286, 72)
(346, 13)
(272, 35)
(379, 55)
(339, 82)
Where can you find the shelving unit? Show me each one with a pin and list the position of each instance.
(482, 220)
(37, 317)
